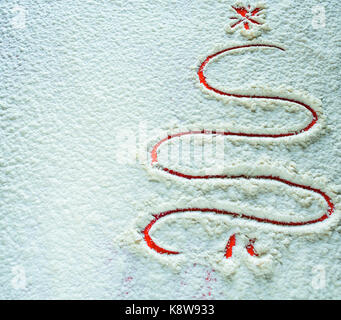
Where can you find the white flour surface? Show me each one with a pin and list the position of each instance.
(87, 90)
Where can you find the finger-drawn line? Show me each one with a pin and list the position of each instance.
(245, 16)
(231, 242)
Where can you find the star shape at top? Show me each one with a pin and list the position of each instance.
(249, 19)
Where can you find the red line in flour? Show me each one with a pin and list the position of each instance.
(250, 248)
(229, 246)
(231, 241)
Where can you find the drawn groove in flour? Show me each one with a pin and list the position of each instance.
(232, 240)
(247, 16)
(249, 19)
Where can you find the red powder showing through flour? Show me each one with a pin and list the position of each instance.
(230, 244)
(232, 240)
(250, 248)
(245, 16)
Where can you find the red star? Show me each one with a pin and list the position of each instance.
(246, 16)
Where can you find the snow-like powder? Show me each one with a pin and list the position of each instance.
(165, 150)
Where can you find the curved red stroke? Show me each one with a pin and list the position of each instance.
(154, 158)
(229, 246)
(250, 248)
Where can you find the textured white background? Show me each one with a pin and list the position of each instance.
(80, 71)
